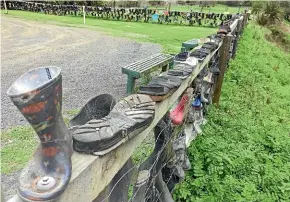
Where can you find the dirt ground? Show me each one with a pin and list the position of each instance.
(91, 64)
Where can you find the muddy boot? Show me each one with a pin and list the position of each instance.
(161, 186)
(139, 190)
(38, 96)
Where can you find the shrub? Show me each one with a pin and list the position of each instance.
(262, 19)
(287, 13)
(273, 10)
(268, 13)
(257, 7)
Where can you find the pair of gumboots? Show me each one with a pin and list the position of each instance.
(100, 126)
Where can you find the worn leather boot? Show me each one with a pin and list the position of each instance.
(38, 96)
(129, 117)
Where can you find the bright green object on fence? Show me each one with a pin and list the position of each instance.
(190, 44)
(146, 66)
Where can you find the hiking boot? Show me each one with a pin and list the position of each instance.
(128, 118)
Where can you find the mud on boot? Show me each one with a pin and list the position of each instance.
(38, 96)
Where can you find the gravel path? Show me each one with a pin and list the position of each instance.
(90, 61)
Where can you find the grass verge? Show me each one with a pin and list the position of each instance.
(17, 146)
(19, 143)
(169, 36)
(244, 152)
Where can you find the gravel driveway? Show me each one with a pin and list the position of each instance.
(90, 61)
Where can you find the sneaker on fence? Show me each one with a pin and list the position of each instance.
(197, 127)
(202, 95)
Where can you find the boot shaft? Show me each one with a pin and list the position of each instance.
(38, 96)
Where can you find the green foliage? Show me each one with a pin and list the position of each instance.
(145, 79)
(262, 19)
(244, 152)
(257, 7)
(268, 13)
(273, 10)
(287, 12)
(71, 113)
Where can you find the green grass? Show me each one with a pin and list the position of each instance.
(19, 143)
(17, 146)
(218, 8)
(244, 152)
(71, 113)
(169, 36)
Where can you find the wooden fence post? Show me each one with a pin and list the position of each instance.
(2, 194)
(5, 6)
(224, 55)
(244, 21)
(238, 34)
(247, 17)
(84, 13)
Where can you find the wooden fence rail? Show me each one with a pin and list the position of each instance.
(92, 174)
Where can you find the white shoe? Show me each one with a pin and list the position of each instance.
(204, 121)
(208, 78)
(203, 99)
(197, 127)
(192, 61)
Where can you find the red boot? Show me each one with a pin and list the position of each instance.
(178, 114)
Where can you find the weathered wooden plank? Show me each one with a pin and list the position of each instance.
(234, 25)
(148, 61)
(91, 174)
